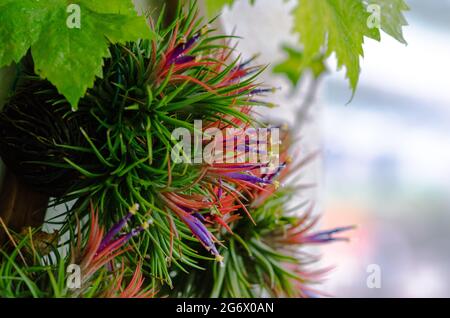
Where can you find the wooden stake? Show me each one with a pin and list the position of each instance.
(20, 205)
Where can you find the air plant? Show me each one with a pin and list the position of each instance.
(265, 253)
(123, 134)
(209, 221)
(30, 271)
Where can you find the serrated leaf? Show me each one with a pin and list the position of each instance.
(392, 18)
(70, 58)
(334, 26)
(21, 26)
(293, 66)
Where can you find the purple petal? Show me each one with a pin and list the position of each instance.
(181, 49)
(201, 232)
(247, 177)
(327, 236)
(184, 59)
(249, 149)
(199, 216)
(220, 191)
(114, 231)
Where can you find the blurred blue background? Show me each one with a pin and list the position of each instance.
(385, 162)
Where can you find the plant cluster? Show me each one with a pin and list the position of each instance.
(136, 223)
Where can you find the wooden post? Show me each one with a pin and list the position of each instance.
(20, 205)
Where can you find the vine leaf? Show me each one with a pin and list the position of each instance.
(392, 18)
(70, 58)
(339, 27)
(335, 26)
(21, 26)
(292, 67)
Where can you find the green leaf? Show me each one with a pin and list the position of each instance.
(293, 67)
(334, 26)
(21, 26)
(392, 18)
(214, 6)
(70, 58)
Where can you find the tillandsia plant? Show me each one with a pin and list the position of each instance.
(208, 213)
(265, 254)
(33, 266)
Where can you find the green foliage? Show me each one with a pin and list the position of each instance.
(214, 6)
(115, 151)
(33, 267)
(112, 156)
(254, 265)
(392, 18)
(336, 26)
(293, 68)
(70, 58)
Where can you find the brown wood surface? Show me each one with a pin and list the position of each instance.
(20, 205)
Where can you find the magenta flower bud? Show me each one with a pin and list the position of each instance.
(116, 228)
(201, 233)
(247, 177)
(327, 236)
(220, 190)
(181, 49)
(184, 59)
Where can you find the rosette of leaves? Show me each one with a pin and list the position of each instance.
(268, 257)
(253, 265)
(94, 266)
(117, 149)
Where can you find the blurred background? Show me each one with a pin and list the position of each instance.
(385, 163)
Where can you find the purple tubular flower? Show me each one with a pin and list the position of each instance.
(251, 71)
(327, 236)
(275, 174)
(181, 49)
(184, 59)
(247, 148)
(259, 91)
(114, 231)
(134, 232)
(188, 210)
(202, 234)
(247, 62)
(220, 190)
(199, 216)
(248, 166)
(118, 227)
(247, 177)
